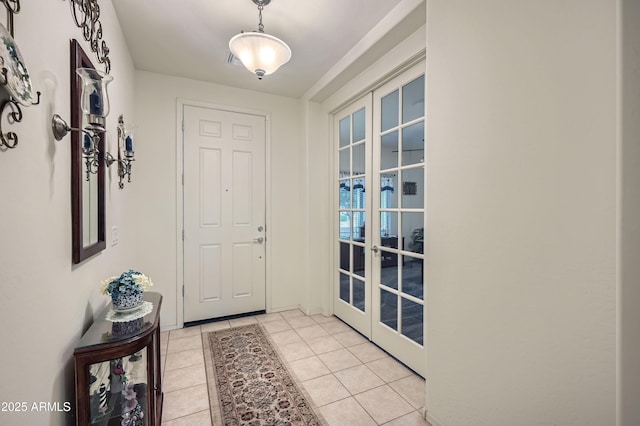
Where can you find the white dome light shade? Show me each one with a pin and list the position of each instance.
(260, 53)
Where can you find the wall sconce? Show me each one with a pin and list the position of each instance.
(126, 154)
(95, 108)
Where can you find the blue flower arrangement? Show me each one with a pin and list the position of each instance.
(128, 283)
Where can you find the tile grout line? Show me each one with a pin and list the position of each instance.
(331, 334)
(332, 373)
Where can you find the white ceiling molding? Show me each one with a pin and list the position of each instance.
(399, 23)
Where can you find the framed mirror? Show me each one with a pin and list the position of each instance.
(87, 183)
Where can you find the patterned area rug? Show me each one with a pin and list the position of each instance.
(248, 382)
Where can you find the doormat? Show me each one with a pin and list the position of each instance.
(248, 382)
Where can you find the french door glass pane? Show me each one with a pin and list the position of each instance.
(389, 309)
(388, 229)
(345, 162)
(344, 256)
(413, 144)
(388, 225)
(413, 100)
(358, 193)
(345, 225)
(345, 132)
(345, 194)
(413, 231)
(389, 269)
(389, 151)
(358, 294)
(358, 159)
(390, 240)
(358, 125)
(412, 320)
(358, 226)
(388, 195)
(390, 106)
(413, 188)
(344, 287)
(358, 260)
(412, 274)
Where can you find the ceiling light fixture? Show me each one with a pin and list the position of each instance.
(259, 52)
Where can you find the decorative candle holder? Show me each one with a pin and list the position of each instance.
(90, 152)
(95, 108)
(94, 104)
(95, 98)
(126, 154)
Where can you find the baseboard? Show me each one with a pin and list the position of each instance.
(317, 311)
(432, 420)
(169, 327)
(285, 308)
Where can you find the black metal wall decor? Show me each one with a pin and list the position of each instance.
(14, 77)
(86, 14)
(13, 7)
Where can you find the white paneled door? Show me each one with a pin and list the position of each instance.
(224, 213)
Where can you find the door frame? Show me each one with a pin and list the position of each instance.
(180, 104)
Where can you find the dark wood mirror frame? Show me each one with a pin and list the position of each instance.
(80, 252)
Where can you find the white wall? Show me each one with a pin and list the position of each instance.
(521, 229)
(316, 296)
(153, 226)
(629, 292)
(45, 302)
(521, 209)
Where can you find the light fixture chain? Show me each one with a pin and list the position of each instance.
(260, 26)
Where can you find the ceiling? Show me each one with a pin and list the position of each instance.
(331, 40)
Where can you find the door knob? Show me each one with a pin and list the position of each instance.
(258, 240)
(375, 249)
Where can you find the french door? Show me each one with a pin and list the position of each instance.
(380, 149)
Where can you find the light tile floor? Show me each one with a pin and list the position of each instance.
(349, 379)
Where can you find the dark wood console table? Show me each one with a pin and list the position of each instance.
(116, 356)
